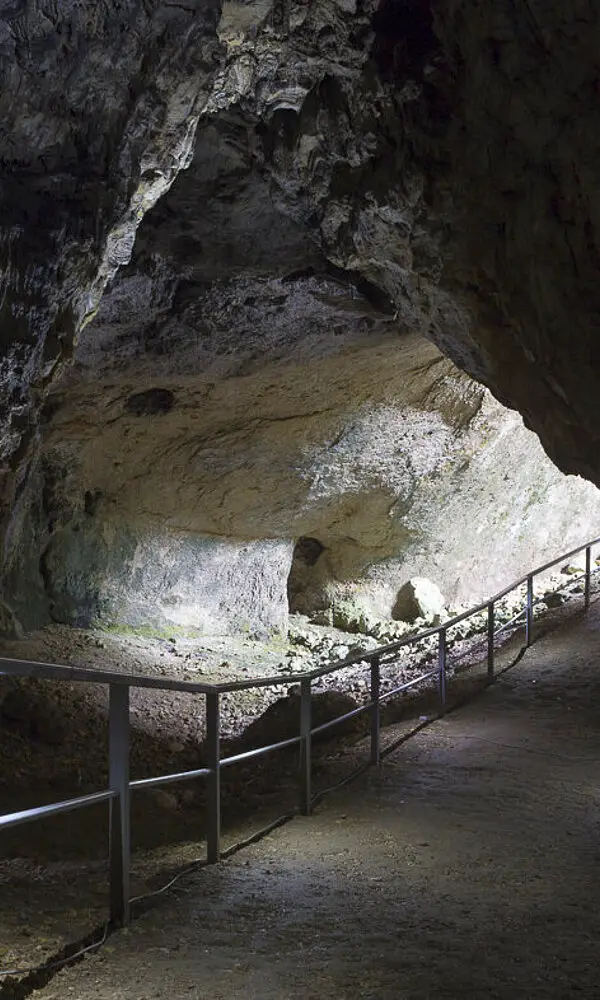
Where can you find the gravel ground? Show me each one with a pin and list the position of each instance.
(466, 866)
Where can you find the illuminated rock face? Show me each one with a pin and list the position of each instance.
(364, 178)
(98, 104)
(174, 495)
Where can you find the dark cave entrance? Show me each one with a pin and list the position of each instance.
(306, 576)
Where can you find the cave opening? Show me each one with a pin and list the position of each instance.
(305, 575)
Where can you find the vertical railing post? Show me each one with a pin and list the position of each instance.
(305, 747)
(588, 575)
(375, 711)
(213, 820)
(490, 641)
(529, 612)
(119, 825)
(442, 667)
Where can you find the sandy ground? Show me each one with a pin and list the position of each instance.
(466, 866)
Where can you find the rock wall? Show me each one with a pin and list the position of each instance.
(183, 504)
(364, 176)
(104, 572)
(511, 158)
(447, 156)
(98, 103)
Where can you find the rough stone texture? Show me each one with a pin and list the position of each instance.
(384, 459)
(103, 571)
(363, 175)
(418, 598)
(447, 155)
(98, 104)
(512, 162)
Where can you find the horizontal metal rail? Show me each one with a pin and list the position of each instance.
(409, 684)
(167, 779)
(259, 751)
(118, 795)
(54, 808)
(62, 672)
(340, 718)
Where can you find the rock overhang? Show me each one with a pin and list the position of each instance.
(361, 176)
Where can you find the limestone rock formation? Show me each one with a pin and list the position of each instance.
(300, 483)
(98, 104)
(365, 179)
(419, 598)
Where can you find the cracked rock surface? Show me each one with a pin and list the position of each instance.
(98, 104)
(364, 179)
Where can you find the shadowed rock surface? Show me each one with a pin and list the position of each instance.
(363, 179)
(99, 104)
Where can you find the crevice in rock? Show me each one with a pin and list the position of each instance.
(303, 576)
(151, 402)
(404, 38)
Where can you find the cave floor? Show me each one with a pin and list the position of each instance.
(466, 866)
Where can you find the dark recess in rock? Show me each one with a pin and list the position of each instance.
(307, 553)
(151, 402)
(91, 500)
(404, 38)
(374, 295)
(308, 550)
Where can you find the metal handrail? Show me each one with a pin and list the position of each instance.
(54, 808)
(53, 671)
(118, 794)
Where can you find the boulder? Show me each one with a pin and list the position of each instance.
(419, 598)
(554, 599)
(164, 799)
(571, 569)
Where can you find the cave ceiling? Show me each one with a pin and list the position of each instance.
(358, 175)
(395, 168)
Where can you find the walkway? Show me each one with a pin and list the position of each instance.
(468, 867)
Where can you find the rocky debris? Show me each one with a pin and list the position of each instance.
(165, 799)
(170, 728)
(350, 617)
(571, 570)
(389, 630)
(419, 598)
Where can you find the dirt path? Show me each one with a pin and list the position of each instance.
(468, 866)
